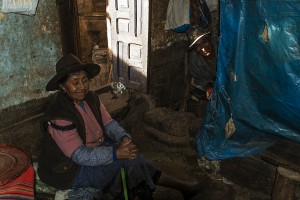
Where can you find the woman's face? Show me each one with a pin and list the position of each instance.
(77, 85)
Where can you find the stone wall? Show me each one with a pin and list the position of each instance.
(167, 75)
(29, 46)
(166, 58)
(20, 124)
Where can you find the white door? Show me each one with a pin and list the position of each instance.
(128, 24)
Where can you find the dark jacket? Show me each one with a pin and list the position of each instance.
(55, 168)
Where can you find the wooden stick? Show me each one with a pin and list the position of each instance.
(187, 84)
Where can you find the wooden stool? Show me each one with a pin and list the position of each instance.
(285, 156)
(284, 185)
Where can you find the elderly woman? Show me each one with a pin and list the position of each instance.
(84, 147)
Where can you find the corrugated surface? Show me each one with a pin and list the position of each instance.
(30, 47)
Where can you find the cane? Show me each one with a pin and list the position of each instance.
(124, 183)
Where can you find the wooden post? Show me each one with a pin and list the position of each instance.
(284, 185)
(187, 84)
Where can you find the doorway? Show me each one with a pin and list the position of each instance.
(111, 33)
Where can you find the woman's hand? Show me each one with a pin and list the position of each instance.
(125, 139)
(127, 150)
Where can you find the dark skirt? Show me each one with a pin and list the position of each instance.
(141, 178)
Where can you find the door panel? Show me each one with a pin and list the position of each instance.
(128, 25)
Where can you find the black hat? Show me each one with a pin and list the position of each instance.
(195, 34)
(67, 64)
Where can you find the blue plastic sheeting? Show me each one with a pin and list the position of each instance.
(258, 79)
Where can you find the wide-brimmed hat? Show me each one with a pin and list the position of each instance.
(67, 64)
(195, 34)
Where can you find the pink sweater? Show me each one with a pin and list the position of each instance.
(69, 141)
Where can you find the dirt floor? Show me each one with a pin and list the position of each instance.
(182, 162)
(178, 160)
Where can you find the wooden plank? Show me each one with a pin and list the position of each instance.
(88, 6)
(284, 154)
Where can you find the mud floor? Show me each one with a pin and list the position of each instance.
(182, 162)
(179, 160)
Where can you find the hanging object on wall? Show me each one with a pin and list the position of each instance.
(178, 17)
(213, 5)
(25, 7)
(229, 128)
(200, 13)
(183, 14)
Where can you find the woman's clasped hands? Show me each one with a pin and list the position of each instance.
(127, 150)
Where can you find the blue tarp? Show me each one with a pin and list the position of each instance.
(258, 79)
